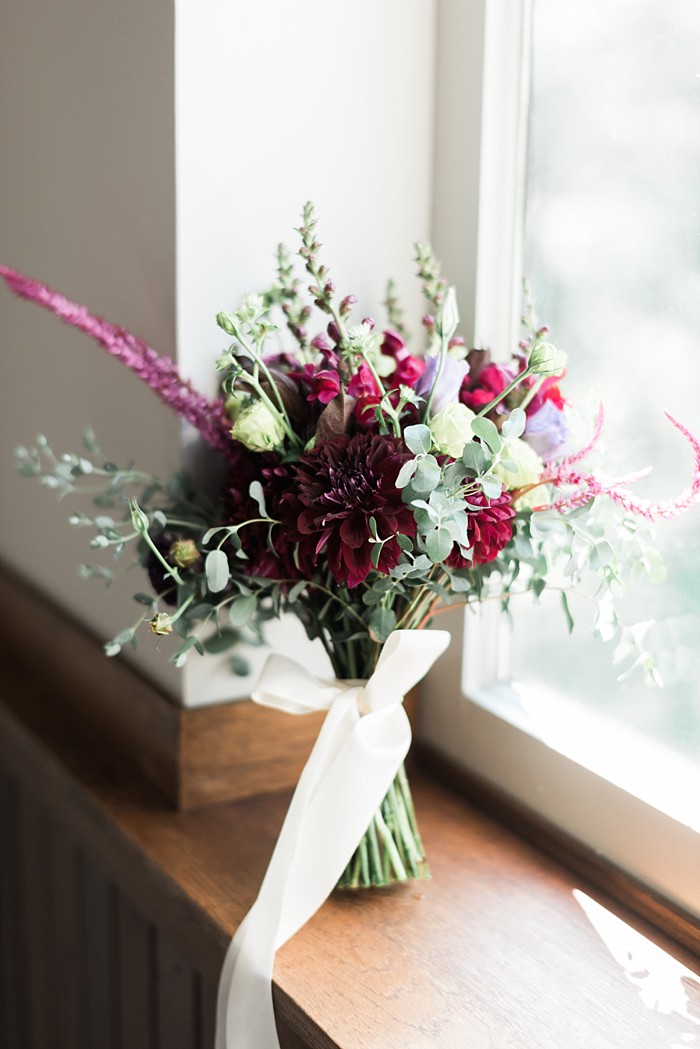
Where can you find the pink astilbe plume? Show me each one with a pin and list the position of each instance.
(588, 486)
(160, 373)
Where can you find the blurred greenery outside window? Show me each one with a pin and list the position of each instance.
(612, 246)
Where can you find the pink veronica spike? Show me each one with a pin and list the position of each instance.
(160, 373)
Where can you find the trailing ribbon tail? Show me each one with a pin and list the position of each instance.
(350, 769)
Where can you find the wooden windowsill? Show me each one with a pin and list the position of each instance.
(495, 951)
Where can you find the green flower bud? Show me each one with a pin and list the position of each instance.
(448, 317)
(138, 517)
(258, 428)
(451, 429)
(546, 359)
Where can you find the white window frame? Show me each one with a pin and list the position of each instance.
(580, 772)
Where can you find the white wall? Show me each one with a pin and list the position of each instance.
(87, 203)
(153, 180)
(278, 104)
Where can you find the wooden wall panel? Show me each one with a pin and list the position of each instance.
(98, 918)
(80, 966)
(178, 996)
(37, 861)
(14, 1000)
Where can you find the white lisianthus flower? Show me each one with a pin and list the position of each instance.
(529, 470)
(451, 429)
(258, 428)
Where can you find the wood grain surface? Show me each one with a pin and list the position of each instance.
(502, 949)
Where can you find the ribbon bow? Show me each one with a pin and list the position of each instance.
(362, 742)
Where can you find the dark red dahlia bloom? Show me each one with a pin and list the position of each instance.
(489, 529)
(337, 488)
(276, 562)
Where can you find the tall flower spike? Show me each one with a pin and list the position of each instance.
(587, 486)
(160, 373)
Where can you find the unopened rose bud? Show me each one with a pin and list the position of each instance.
(184, 553)
(546, 359)
(161, 624)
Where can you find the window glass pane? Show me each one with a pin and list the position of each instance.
(612, 256)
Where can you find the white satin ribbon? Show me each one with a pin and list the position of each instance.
(362, 742)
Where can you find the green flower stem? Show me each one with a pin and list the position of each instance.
(228, 532)
(277, 409)
(179, 522)
(338, 600)
(504, 393)
(364, 863)
(532, 392)
(389, 410)
(181, 609)
(375, 854)
(391, 849)
(405, 790)
(173, 572)
(403, 827)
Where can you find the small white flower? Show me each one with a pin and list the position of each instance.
(361, 339)
(252, 308)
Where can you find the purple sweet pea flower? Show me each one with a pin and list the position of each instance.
(450, 382)
(547, 431)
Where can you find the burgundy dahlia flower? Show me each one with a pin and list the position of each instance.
(337, 488)
(269, 552)
(488, 529)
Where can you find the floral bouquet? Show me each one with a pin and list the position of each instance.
(364, 487)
